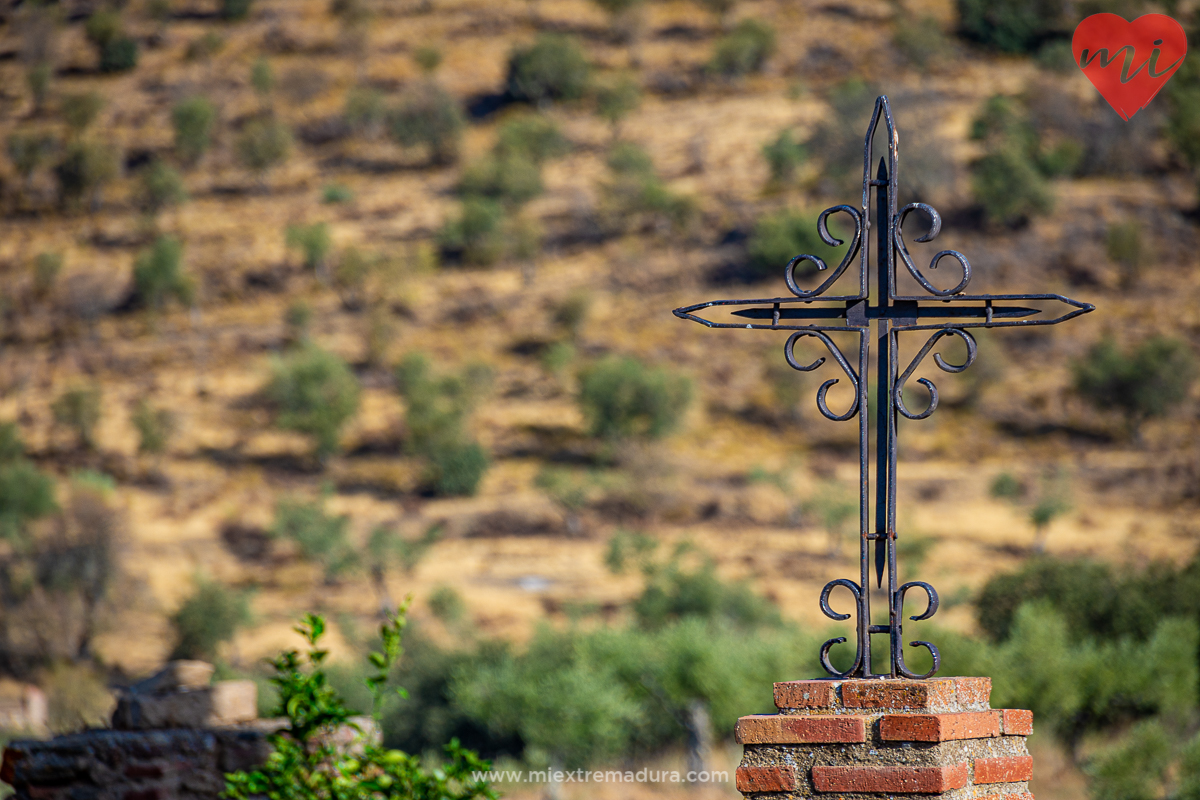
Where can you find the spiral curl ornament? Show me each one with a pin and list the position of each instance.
(789, 272)
(898, 391)
(824, 389)
(856, 590)
(931, 609)
(935, 228)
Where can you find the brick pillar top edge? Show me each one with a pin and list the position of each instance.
(937, 695)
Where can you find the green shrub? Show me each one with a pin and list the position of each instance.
(616, 100)
(102, 27)
(1141, 383)
(1125, 248)
(313, 241)
(320, 538)
(1183, 120)
(314, 393)
(263, 144)
(306, 764)
(79, 111)
(193, 120)
(778, 238)
(508, 178)
(552, 68)
(446, 604)
(119, 55)
(1135, 768)
(532, 136)
(204, 47)
(428, 116)
(636, 197)
(621, 397)
(235, 9)
(366, 111)
(477, 233)
(161, 187)
(46, 268)
(86, 167)
(158, 274)
(336, 194)
(428, 58)
(26, 494)
(38, 78)
(921, 41)
(28, 151)
(437, 410)
(208, 618)
(79, 410)
(1006, 486)
(1009, 187)
(154, 426)
(572, 312)
(744, 50)
(1056, 56)
(1013, 26)
(784, 155)
(298, 319)
(262, 78)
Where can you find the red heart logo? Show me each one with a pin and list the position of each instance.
(1129, 62)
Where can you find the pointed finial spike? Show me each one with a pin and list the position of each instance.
(882, 174)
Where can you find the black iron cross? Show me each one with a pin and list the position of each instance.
(950, 314)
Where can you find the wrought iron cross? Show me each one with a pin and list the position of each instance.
(951, 313)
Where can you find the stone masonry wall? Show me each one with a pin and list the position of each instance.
(859, 739)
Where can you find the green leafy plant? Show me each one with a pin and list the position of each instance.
(79, 111)
(336, 194)
(1126, 249)
(236, 9)
(1143, 382)
(780, 237)
(784, 155)
(621, 397)
(532, 136)
(263, 145)
(86, 168)
(154, 426)
(744, 50)
(209, 617)
(79, 409)
(508, 178)
(616, 100)
(315, 393)
(306, 764)
(193, 120)
(320, 537)
(477, 233)
(428, 58)
(38, 78)
(262, 78)
(428, 116)
(552, 68)
(436, 414)
(314, 243)
(366, 111)
(1013, 26)
(158, 274)
(635, 197)
(28, 151)
(161, 187)
(921, 41)
(46, 269)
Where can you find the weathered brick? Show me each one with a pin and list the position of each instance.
(1016, 722)
(783, 729)
(765, 779)
(938, 694)
(1007, 769)
(805, 694)
(939, 727)
(910, 780)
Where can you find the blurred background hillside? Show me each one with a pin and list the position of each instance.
(308, 305)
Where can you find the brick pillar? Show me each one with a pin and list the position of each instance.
(935, 737)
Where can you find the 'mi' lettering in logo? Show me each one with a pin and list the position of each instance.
(1129, 62)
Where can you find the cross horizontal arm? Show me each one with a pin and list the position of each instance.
(889, 312)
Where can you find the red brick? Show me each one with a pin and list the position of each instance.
(783, 729)
(765, 779)
(1008, 769)
(939, 727)
(805, 694)
(938, 694)
(911, 780)
(1017, 722)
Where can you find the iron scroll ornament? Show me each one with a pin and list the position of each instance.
(819, 314)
